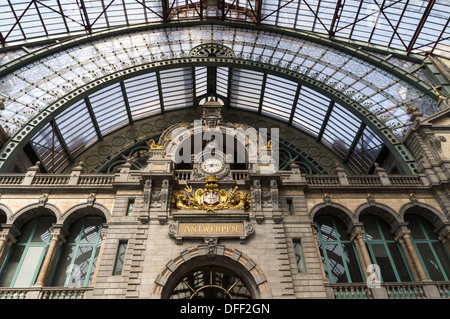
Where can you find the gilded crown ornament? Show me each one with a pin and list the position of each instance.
(210, 198)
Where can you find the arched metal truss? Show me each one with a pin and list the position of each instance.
(411, 26)
(302, 63)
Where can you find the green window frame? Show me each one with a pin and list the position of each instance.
(290, 206)
(298, 251)
(23, 261)
(130, 207)
(432, 253)
(77, 257)
(385, 251)
(339, 257)
(120, 257)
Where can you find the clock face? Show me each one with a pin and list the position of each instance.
(212, 165)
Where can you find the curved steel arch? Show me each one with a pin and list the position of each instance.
(354, 50)
(18, 141)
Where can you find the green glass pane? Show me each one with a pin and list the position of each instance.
(341, 228)
(385, 229)
(9, 269)
(371, 231)
(75, 230)
(399, 262)
(335, 265)
(81, 269)
(428, 228)
(299, 256)
(63, 269)
(90, 231)
(414, 227)
(26, 231)
(382, 260)
(326, 227)
(352, 263)
(43, 230)
(443, 258)
(120, 258)
(30, 263)
(430, 262)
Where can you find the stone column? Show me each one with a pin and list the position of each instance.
(6, 240)
(358, 239)
(100, 253)
(49, 259)
(414, 261)
(409, 259)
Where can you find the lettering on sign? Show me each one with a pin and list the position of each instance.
(210, 229)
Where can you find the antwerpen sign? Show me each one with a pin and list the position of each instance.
(211, 214)
(180, 230)
(211, 229)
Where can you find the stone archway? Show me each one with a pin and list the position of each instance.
(223, 256)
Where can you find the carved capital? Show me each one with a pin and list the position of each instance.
(7, 237)
(357, 234)
(403, 234)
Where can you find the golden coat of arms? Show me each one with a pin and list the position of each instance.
(211, 198)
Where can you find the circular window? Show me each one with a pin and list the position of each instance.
(211, 283)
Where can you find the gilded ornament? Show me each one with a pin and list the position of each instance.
(211, 198)
(268, 147)
(153, 145)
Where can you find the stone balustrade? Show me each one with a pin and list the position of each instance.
(389, 290)
(31, 178)
(45, 293)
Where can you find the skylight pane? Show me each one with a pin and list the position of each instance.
(49, 149)
(76, 127)
(246, 89)
(143, 95)
(200, 81)
(177, 88)
(341, 129)
(365, 152)
(278, 97)
(222, 81)
(310, 111)
(109, 108)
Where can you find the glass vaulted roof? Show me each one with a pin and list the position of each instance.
(52, 51)
(416, 26)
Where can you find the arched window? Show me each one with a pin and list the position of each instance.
(78, 255)
(434, 257)
(337, 251)
(211, 283)
(24, 258)
(384, 250)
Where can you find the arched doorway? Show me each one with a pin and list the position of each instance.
(211, 282)
(194, 274)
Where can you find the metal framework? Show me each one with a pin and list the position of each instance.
(378, 22)
(85, 93)
(133, 54)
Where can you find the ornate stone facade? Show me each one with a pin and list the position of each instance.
(262, 241)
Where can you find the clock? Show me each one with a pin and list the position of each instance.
(212, 165)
